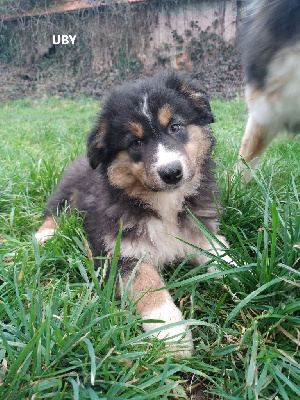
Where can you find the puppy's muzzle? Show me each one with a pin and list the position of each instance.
(171, 173)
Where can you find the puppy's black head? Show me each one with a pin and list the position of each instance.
(151, 132)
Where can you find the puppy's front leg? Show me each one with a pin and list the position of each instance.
(214, 249)
(46, 230)
(159, 305)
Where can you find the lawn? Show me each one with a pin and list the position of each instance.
(64, 336)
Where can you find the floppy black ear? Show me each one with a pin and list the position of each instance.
(95, 144)
(195, 92)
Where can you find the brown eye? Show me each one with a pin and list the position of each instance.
(174, 128)
(136, 143)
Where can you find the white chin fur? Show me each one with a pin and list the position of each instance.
(43, 236)
(169, 313)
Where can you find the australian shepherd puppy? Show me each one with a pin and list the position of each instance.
(271, 55)
(148, 161)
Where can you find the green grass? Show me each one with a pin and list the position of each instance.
(63, 336)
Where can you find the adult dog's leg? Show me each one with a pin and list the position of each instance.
(259, 133)
(255, 141)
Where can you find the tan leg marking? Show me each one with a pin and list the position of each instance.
(257, 137)
(251, 96)
(147, 278)
(159, 305)
(46, 230)
(254, 141)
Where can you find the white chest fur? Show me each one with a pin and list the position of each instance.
(160, 240)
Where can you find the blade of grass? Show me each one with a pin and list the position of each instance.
(92, 358)
(252, 365)
(245, 301)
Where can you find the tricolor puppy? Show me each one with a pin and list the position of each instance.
(148, 158)
(271, 55)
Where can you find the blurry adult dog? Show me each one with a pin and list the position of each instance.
(149, 157)
(271, 55)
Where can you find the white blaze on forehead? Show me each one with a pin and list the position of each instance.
(145, 109)
(166, 156)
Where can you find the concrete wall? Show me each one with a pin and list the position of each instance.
(184, 23)
(123, 42)
(167, 38)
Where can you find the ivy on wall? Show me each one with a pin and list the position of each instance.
(112, 44)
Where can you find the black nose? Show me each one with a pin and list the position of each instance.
(171, 173)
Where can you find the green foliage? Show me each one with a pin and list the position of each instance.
(127, 65)
(17, 6)
(7, 49)
(63, 335)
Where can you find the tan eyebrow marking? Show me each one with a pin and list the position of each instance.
(165, 115)
(136, 128)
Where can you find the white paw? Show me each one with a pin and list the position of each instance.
(44, 235)
(215, 269)
(246, 175)
(229, 261)
(169, 313)
(244, 172)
